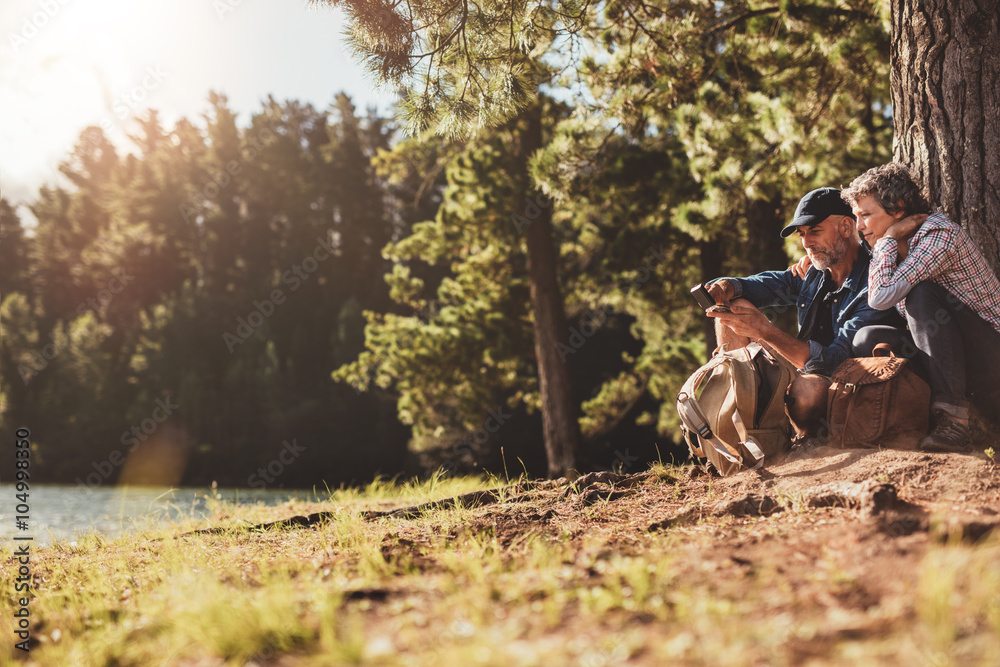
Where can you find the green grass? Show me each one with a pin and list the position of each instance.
(435, 591)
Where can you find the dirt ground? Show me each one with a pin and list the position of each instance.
(836, 541)
(830, 557)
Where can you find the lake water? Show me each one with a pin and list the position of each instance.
(64, 512)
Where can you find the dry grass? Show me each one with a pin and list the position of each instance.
(550, 575)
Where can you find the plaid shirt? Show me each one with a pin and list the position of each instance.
(940, 251)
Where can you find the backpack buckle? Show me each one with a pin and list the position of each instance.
(693, 416)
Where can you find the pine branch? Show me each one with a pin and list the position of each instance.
(726, 25)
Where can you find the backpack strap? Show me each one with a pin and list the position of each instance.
(693, 420)
(692, 416)
(695, 426)
(745, 439)
(831, 393)
(748, 441)
(883, 350)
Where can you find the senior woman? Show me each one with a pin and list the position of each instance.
(930, 270)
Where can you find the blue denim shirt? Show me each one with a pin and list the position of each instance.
(849, 307)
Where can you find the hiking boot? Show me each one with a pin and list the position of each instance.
(951, 435)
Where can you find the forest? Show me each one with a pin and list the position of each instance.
(464, 323)
(352, 295)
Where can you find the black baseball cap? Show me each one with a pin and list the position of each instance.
(816, 207)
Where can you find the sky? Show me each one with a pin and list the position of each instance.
(67, 64)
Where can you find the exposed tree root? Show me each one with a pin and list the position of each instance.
(591, 488)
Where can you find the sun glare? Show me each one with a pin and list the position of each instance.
(77, 63)
(67, 64)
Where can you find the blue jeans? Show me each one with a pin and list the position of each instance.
(958, 349)
(899, 339)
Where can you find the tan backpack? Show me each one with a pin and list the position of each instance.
(877, 401)
(737, 419)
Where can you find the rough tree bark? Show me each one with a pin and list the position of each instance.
(559, 409)
(710, 253)
(946, 104)
(765, 250)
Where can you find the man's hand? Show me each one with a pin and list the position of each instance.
(745, 320)
(800, 268)
(721, 291)
(902, 230)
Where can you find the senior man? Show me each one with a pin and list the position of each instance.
(830, 296)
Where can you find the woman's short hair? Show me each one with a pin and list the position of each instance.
(893, 187)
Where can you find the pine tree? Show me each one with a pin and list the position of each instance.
(754, 104)
(478, 84)
(460, 343)
(201, 226)
(13, 252)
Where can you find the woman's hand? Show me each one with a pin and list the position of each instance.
(800, 268)
(906, 227)
(902, 230)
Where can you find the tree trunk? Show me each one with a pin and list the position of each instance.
(765, 249)
(559, 409)
(710, 253)
(946, 105)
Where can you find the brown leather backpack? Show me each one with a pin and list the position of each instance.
(877, 401)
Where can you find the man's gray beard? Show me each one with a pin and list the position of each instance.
(824, 260)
